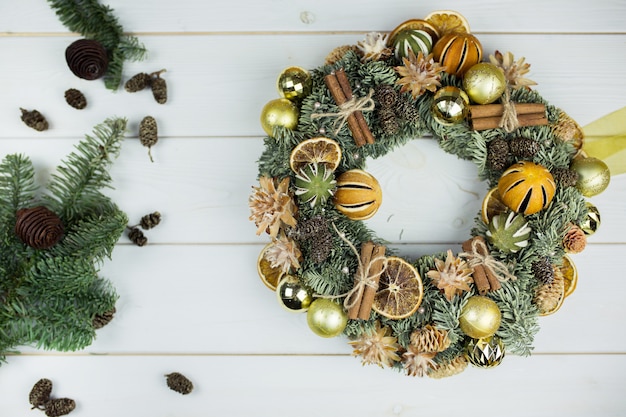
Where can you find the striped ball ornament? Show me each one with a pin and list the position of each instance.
(526, 187)
(358, 195)
(416, 40)
(458, 52)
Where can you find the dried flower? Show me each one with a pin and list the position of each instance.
(272, 206)
(418, 363)
(284, 253)
(574, 240)
(430, 339)
(452, 276)
(513, 70)
(419, 74)
(377, 347)
(374, 47)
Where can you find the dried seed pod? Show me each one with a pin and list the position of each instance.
(407, 111)
(40, 393)
(138, 82)
(60, 407)
(386, 95)
(150, 220)
(38, 227)
(87, 59)
(136, 236)
(179, 383)
(565, 177)
(75, 98)
(101, 320)
(159, 87)
(388, 121)
(34, 119)
(148, 133)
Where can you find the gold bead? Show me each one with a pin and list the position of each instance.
(292, 295)
(326, 318)
(294, 83)
(279, 112)
(593, 175)
(480, 317)
(484, 83)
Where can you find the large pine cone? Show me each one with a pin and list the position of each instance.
(87, 59)
(430, 339)
(38, 227)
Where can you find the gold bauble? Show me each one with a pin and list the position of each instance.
(484, 83)
(592, 220)
(480, 317)
(326, 318)
(279, 112)
(292, 295)
(485, 353)
(294, 83)
(593, 175)
(450, 105)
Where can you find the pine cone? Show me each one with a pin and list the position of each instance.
(150, 220)
(148, 133)
(454, 367)
(565, 177)
(60, 407)
(179, 383)
(386, 95)
(159, 89)
(34, 119)
(498, 154)
(38, 227)
(87, 59)
(137, 237)
(314, 234)
(574, 240)
(338, 53)
(40, 393)
(138, 82)
(567, 130)
(549, 296)
(388, 122)
(101, 320)
(543, 271)
(523, 147)
(430, 339)
(407, 111)
(75, 98)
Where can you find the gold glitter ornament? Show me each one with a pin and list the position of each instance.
(593, 175)
(279, 112)
(485, 353)
(450, 105)
(326, 318)
(484, 83)
(592, 220)
(480, 317)
(292, 295)
(294, 83)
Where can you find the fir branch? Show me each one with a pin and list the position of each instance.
(17, 184)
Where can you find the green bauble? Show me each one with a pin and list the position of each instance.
(414, 40)
(315, 184)
(485, 353)
(326, 318)
(509, 232)
(294, 83)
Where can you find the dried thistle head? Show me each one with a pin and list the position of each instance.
(514, 71)
(272, 206)
(452, 276)
(284, 253)
(377, 347)
(374, 47)
(418, 363)
(419, 74)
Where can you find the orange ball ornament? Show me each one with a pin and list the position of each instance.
(358, 195)
(526, 187)
(458, 52)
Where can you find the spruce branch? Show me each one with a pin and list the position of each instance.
(17, 184)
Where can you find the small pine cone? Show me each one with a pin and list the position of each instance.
(75, 98)
(87, 59)
(148, 133)
(101, 320)
(430, 339)
(574, 240)
(338, 53)
(388, 121)
(179, 383)
(498, 154)
(523, 147)
(38, 227)
(549, 296)
(137, 237)
(567, 130)
(159, 89)
(40, 393)
(34, 119)
(60, 407)
(150, 220)
(543, 271)
(386, 95)
(406, 110)
(454, 367)
(565, 177)
(138, 82)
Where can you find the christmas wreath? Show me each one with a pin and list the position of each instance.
(435, 314)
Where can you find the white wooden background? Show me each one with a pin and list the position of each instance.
(191, 300)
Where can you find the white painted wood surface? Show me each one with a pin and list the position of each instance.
(191, 300)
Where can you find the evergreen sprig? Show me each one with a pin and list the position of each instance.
(96, 21)
(49, 297)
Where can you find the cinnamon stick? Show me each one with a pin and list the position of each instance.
(492, 110)
(340, 98)
(480, 275)
(366, 254)
(530, 119)
(370, 292)
(342, 78)
(494, 282)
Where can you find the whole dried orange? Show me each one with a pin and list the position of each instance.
(320, 150)
(400, 290)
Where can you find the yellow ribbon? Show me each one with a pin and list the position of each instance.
(346, 109)
(605, 139)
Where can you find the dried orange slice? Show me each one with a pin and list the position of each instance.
(270, 276)
(321, 150)
(448, 21)
(492, 205)
(570, 275)
(400, 290)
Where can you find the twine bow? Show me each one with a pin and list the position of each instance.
(362, 279)
(479, 255)
(509, 120)
(346, 109)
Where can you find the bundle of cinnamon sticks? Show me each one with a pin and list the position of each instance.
(488, 116)
(372, 260)
(339, 86)
(484, 278)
